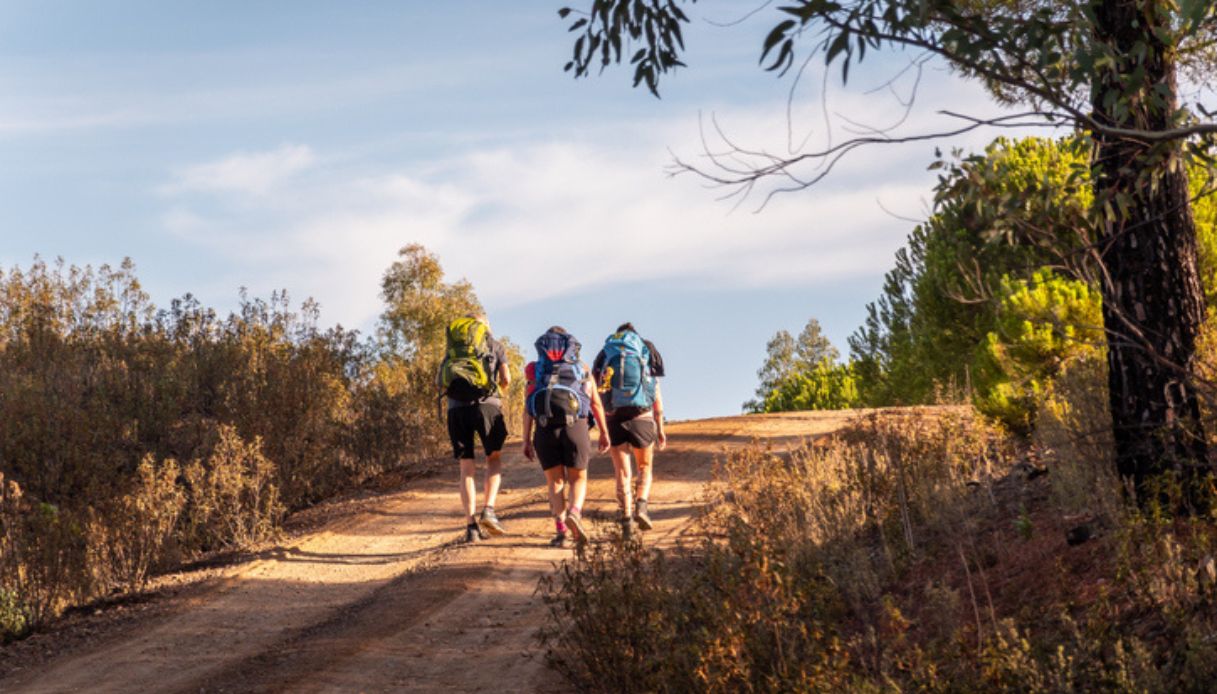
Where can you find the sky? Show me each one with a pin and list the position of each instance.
(269, 145)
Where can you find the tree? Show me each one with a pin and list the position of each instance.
(1108, 68)
(786, 359)
(1004, 213)
(824, 386)
(419, 304)
(813, 347)
(779, 363)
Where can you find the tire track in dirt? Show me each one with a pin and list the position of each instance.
(385, 600)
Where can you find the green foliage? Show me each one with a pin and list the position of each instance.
(803, 374)
(946, 317)
(1001, 214)
(825, 386)
(785, 357)
(1051, 57)
(612, 25)
(1041, 324)
(1204, 211)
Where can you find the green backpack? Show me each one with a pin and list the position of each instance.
(463, 374)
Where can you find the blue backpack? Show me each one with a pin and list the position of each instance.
(559, 398)
(626, 371)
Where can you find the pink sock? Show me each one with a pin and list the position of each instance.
(560, 525)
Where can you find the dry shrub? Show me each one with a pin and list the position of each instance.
(272, 412)
(130, 539)
(43, 559)
(904, 555)
(787, 591)
(1073, 435)
(232, 497)
(627, 619)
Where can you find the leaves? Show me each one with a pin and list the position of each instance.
(612, 26)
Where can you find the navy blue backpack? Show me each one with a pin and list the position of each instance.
(559, 398)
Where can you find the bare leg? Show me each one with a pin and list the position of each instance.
(556, 484)
(645, 458)
(578, 486)
(621, 470)
(494, 476)
(468, 488)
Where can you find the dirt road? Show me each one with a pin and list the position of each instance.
(385, 599)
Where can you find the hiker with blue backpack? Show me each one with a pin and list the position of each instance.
(560, 396)
(471, 378)
(628, 370)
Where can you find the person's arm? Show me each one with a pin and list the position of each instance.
(598, 413)
(529, 376)
(528, 452)
(657, 409)
(439, 391)
(502, 371)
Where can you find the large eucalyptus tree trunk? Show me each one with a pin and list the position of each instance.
(1153, 304)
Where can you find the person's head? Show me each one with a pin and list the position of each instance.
(557, 329)
(626, 326)
(478, 316)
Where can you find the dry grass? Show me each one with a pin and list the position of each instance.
(914, 552)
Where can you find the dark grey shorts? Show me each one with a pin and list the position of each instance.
(483, 421)
(638, 432)
(569, 445)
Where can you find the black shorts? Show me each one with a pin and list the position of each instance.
(638, 432)
(485, 421)
(569, 445)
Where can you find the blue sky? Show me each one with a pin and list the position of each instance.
(272, 145)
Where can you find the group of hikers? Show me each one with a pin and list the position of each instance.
(619, 396)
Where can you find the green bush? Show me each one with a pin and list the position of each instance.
(1041, 324)
(825, 386)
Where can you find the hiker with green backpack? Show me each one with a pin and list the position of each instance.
(560, 396)
(471, 378)
(628, 370)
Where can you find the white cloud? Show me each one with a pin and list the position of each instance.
(529, 220)
(249, 173)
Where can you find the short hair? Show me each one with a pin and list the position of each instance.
(627, 326)
(556, 329)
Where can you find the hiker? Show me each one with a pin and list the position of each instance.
(471, 377)
(560, 395)
(627, 372)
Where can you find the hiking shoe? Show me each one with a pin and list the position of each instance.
(575, 525)
(473, 534)
(489, 523)
(558, 541)
(640, 515)
(627, 529)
